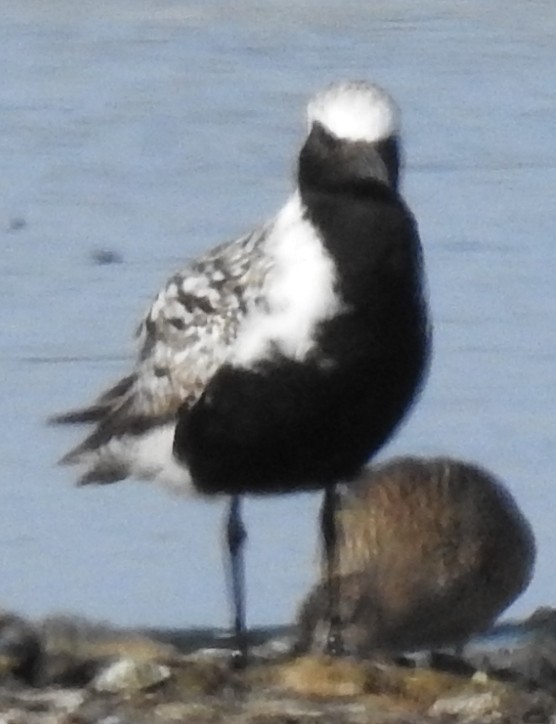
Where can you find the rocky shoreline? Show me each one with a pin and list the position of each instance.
(68, 670)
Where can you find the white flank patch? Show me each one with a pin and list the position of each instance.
(147, 457)
(355, 111)
(152, 459)
(298, 295)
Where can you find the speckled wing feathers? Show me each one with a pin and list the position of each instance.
(186, 335)
(191, 326)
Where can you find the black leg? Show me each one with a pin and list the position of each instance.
(334, 645)
(236, 535)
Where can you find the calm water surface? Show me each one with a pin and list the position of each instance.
(156, 129)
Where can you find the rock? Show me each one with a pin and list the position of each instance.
(76, 649)
(324, 676)
(42, 707)
(485, 706)
(20, 648)
(129, 675)
(138, 678)
(523, 651)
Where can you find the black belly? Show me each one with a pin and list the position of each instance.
(289, 426)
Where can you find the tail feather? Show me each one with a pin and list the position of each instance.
(102, 407)
(144, 453)
(83, 415)
(114, 425)
(129, 437)
(103, 474)
(120, 389)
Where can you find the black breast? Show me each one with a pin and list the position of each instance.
(288, 425)
(285, 425)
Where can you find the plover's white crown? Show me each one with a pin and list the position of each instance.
(355, 111)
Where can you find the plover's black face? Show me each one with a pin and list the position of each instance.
(353, 136)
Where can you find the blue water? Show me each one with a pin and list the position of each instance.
(156, 129)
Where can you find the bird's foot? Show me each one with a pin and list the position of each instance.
(334, 645)
(240, 652)
(238, 660)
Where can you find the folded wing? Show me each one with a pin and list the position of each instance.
(186, 335)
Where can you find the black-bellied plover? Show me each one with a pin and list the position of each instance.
(283, 360)
(431, 552)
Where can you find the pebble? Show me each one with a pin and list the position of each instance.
(128, 675)
(485, 706)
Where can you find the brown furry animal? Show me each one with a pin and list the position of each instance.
(431, 551)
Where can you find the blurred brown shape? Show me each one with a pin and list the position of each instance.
(431, 551)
